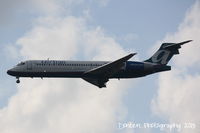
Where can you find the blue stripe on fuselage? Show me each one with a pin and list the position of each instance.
(133, 70)
(134, 66)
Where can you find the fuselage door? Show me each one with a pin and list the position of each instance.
(29, 65)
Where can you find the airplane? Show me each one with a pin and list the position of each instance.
(98, 73)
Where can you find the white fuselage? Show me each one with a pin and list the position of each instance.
(54, 68)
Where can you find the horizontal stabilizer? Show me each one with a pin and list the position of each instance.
(175, 45)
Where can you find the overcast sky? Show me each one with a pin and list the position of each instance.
(98, 30)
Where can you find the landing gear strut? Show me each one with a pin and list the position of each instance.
(18, 81)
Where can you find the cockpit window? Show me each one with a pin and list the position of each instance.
(21, 63)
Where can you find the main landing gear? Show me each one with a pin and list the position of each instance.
(18, 81)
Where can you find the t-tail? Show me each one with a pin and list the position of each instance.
(166, 52)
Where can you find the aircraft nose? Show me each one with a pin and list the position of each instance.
(10, 72)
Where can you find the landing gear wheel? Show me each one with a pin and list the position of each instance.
(18, 81)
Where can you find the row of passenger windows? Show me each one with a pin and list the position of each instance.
(68, 64)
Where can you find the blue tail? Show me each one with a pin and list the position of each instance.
(166, 52)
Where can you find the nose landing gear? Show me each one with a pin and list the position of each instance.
(18, 81)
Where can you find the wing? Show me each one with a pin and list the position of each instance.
(100, 75)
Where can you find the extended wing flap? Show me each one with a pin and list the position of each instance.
(97, 82)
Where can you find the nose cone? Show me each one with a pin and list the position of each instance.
(10, 72)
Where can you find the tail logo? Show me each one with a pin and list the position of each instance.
(161, 57)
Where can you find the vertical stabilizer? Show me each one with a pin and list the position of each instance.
(166, 52)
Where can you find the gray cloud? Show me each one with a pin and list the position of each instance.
(8, 9)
